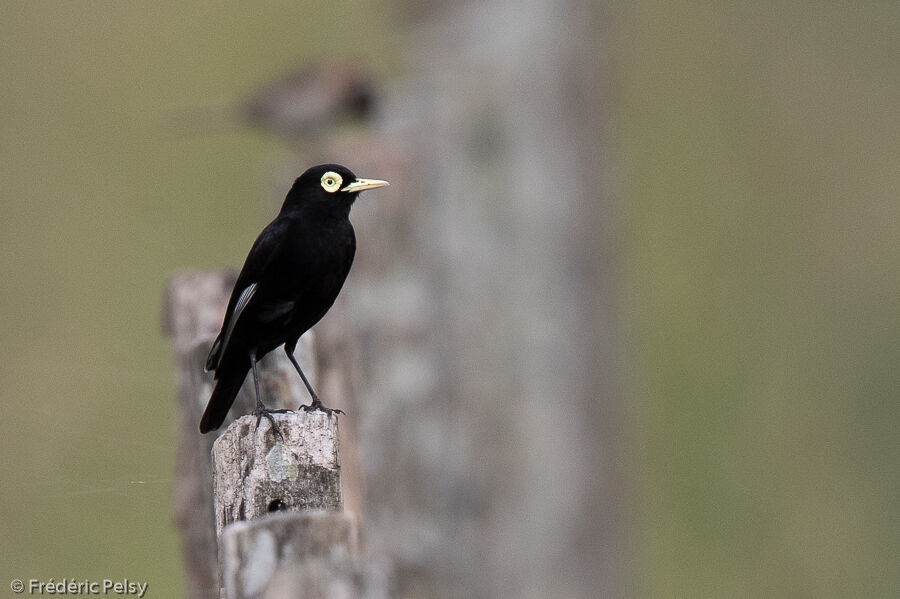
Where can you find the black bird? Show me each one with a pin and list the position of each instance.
(290, 279)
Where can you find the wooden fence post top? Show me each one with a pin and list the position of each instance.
(256, 472)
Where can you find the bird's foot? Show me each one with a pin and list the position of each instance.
(318, 405)
(262, 411)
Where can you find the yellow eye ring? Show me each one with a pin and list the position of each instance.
(331, 182)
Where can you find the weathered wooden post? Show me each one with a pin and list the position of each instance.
(256, 472)
(278, 509)
(293, 556)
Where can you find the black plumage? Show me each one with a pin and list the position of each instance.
(290, 279)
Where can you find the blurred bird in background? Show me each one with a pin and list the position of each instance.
(304, 103)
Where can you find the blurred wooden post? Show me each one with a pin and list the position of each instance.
(475, 345)
(483, 306)
(194, 307)
(192, 314)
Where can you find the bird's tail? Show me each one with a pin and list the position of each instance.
(227, 387)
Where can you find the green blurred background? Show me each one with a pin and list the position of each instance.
(762, 144)
(102, 199)
(759, 175)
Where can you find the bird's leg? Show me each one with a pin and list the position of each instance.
(316, 402)
(261, 410)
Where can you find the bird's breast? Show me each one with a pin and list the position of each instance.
(320, 261)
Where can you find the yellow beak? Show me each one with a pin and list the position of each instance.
(364, 184)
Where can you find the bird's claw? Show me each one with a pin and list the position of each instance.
(318, 405)
(263, 412)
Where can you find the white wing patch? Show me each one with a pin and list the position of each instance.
(243, 300)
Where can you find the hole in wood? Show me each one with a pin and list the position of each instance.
(277, 505)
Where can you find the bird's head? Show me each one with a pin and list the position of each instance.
(329, 184)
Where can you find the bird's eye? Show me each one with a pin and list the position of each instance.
(331, 182)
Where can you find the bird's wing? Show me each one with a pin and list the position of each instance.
(225, 336)
(265, 248)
